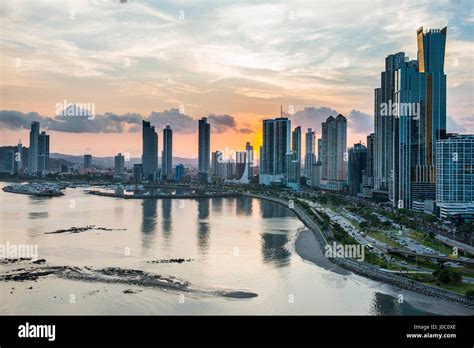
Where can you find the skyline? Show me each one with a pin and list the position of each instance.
(325, 68)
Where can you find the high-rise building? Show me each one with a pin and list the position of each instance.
(293, 170)
(420, 100)
(33, 149)
(296, 143)
(316, 175)
(383, 124)
(150, 151)
(333, 153)
(455, 177)
(179, 175)
(8, 163)
(370, 159)
(204, 148)
(167, 153)
(276, 144)
(19, 158)
(119, 164)
(310, 157)
(357, 167)
(249, 158)
(43, 153)
(87, 161)
(138, 172)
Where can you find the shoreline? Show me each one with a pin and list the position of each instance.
(366, 270)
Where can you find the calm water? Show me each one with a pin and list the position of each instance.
(234, 243)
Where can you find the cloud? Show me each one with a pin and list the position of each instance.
(360, 122)
(179, 122)
(246, 131)
(311, 117)
(453, 126)
(221, 123)
(113, 123)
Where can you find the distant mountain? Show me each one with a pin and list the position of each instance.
(110, 161)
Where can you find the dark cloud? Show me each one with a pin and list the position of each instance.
(311, 117)
(360, 122)
(221, 123)
(113, 123)
(246, 131)
(181, 123)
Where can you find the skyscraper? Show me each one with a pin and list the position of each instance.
(150, 151)
(332, 152)
(43, 153)
(420, 100)
(383, 124)
(119, 164)
(455, 177)
(296, 142)
(275, 147)
(310, 157)
(167, 153)
(370, 159)
(87, 161)
(204, 147)
(179, 175)
(33, 149)
(357, 166)
(249, 158)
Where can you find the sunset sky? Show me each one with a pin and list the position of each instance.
(175, 61)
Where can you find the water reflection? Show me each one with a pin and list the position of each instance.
(271, 210)
(149, 216)
(383, 304)
(216, 204)
(244, 206)
(166, 219)
(38, 215)
(203, 225)
(274, 250)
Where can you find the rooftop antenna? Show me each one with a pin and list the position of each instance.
(281, 110)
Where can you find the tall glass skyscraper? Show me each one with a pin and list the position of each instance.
(33, 149)
(420, 98)
(150, 151)
(167, 153)
(383, 124)
(273, 152)
(455, 176)
(204, 146)
(310, 157)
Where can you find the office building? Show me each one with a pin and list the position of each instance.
(149, 151)
(43, 153)
(179, 175)
(357, 167)
(33, 149)
(167, 153)
(333, 153)
(455, 177)
(138, 172)
(310, 157)
(87, 161)
(119, 164)
(204, 148)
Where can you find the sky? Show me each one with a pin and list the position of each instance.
(236, 62)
